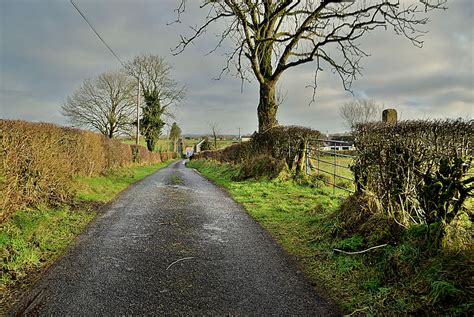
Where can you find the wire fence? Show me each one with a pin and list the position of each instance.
(331, 158)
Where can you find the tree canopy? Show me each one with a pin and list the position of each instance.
(267, 37)
(151, 122)
(175, 134)
(103, 103)
(160, 92)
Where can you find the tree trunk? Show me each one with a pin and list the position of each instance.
(267, 107)
(150, 144)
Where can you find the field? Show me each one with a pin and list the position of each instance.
(164, 145)
(326, 167)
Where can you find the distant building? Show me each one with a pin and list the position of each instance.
(345, 147)
(197, 146)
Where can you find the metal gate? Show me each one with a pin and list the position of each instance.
(330, 157)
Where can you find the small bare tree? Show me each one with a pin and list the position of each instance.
(360, 111)
(104, 103)
(268, 37)
(215, 131)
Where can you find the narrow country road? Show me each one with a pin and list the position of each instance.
(174, 243)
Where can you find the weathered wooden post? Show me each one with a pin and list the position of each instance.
(389, 116)
(307, 160)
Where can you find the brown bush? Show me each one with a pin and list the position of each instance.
(141, 155)
(38, 161)
(417, 169)
(85, 152)
(116, 154)
(261, 166)
(32, 168)
(283, 143)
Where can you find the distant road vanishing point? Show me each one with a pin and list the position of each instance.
(174, 243)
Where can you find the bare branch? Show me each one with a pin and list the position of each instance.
(104, 103)
(269, 37)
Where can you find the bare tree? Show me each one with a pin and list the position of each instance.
(360, 111)
(160, 92)
(268, 37)
(155, 77)
(215, 131)
(103, 103)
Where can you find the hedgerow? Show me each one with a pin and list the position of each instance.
(38, 162)
(278, 148)
(420, 170)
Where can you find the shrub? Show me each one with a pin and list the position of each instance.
(280, 145)
(32, 168)
(260, 167)
(38, 162)
(417, 169)
(206, 145)
(287, 143)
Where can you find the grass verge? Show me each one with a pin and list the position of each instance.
(402, 277)
(32, 239)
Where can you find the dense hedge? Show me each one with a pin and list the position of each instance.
(285, 144)
(419, 170)
(38, 161)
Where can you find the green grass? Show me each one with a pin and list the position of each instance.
(328, 168)
(35, 237)
(401, 278)
(222, 143)
(103, 189)
(32, 239)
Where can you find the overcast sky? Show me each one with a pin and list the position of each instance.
(47, 50)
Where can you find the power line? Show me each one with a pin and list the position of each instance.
(97, 33)
(137, 140)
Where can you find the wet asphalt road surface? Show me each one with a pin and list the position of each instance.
(125, 263)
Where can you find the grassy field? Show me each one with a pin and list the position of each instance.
(164, 145)
(399, 278)
(326, 166)
(32, 239)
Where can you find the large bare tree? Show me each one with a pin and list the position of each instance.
(155, 77)
(267, 37)
(103, 103)
(160, 92)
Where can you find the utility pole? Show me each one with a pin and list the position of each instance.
(137, 140)
(239, 134)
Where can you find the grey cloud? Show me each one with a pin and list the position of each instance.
(51, 50)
